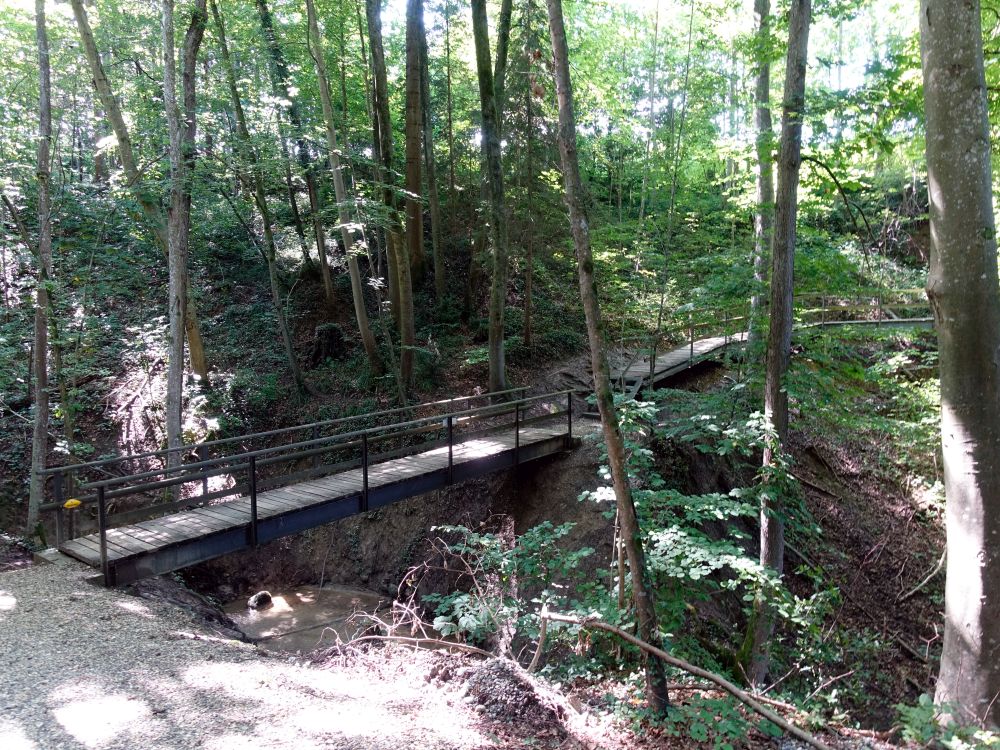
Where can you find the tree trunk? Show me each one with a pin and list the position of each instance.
(765, 172)
(529, 178)
(962, 287)
(779, 341)
(382, 148)
(260, 198)
(280, 77)
(150, 209)
(451, 124)
(176, 244)
(39, 438)
(656, 686)
(414, 207)
(652, 117)
(494, 181)
(357, 290)
(400, 284)
(433, 202)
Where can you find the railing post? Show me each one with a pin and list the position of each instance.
(725, 329)
(569, 415)
(202, 452)
(315, 436)
(102, 525)
(57, 492)
(253, 500)
(517, 433)
(451, 443)
(691, 337)
(364, 472)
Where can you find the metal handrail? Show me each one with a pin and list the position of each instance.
(272, 433)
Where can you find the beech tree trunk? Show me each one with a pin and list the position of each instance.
(779, 342)
(280, 76)
(765, 171)
(260, 199)
(656, 685)
(346, 234)
(176, 242)
(40, 431)
(652, 117)
(414, 131)
(494, 182)
(151, 209)
(433, 202)
(400, 285)
(963, 290)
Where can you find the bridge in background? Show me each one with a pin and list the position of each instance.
(165, 510)
(694, 335)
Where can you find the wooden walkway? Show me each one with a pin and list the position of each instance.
(168, 543)
(634, 375)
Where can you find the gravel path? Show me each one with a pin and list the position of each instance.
(86, 667)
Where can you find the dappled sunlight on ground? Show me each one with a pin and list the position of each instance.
(13, 737)
(136, 608)
(94, 717)
(8, 602)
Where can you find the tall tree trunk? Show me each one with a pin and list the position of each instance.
(779, 341)
(357, 290)
(414, 206)
(280, 77)
(450, 117)
(476, 271)
(529, 178)
(396, 251)
(151, 209)
(765, 171)
(433, 202)
(656, 685)
(382, 148)
(652, 116)
(494, 181)
(39, 438)
(962, 287)
(260, 199)
(176, 244)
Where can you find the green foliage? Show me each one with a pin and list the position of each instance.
(922, 725)
(506, 580)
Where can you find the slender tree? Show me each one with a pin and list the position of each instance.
(779, 341)
(280, 83)
(414, 137)
(430, 168)
(642, 593)
(346, 233)
(494, 181)
(963, 290)
(652, 115)
(39, 439)
(249, 155)
(151, 209)
(763, 144)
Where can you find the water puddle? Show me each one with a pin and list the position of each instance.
(306, 618)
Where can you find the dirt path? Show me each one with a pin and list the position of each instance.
(86, 667)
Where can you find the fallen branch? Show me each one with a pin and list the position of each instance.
(422, 641)
(595, 623)
(927, 579)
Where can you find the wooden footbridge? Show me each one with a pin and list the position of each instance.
(694, 335)
(161, 511)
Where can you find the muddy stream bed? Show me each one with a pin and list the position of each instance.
(305, 618)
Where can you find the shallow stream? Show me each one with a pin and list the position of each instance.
(306, 618)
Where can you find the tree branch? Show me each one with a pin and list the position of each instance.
(595, 623)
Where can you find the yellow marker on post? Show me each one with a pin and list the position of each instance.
(72, 503)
